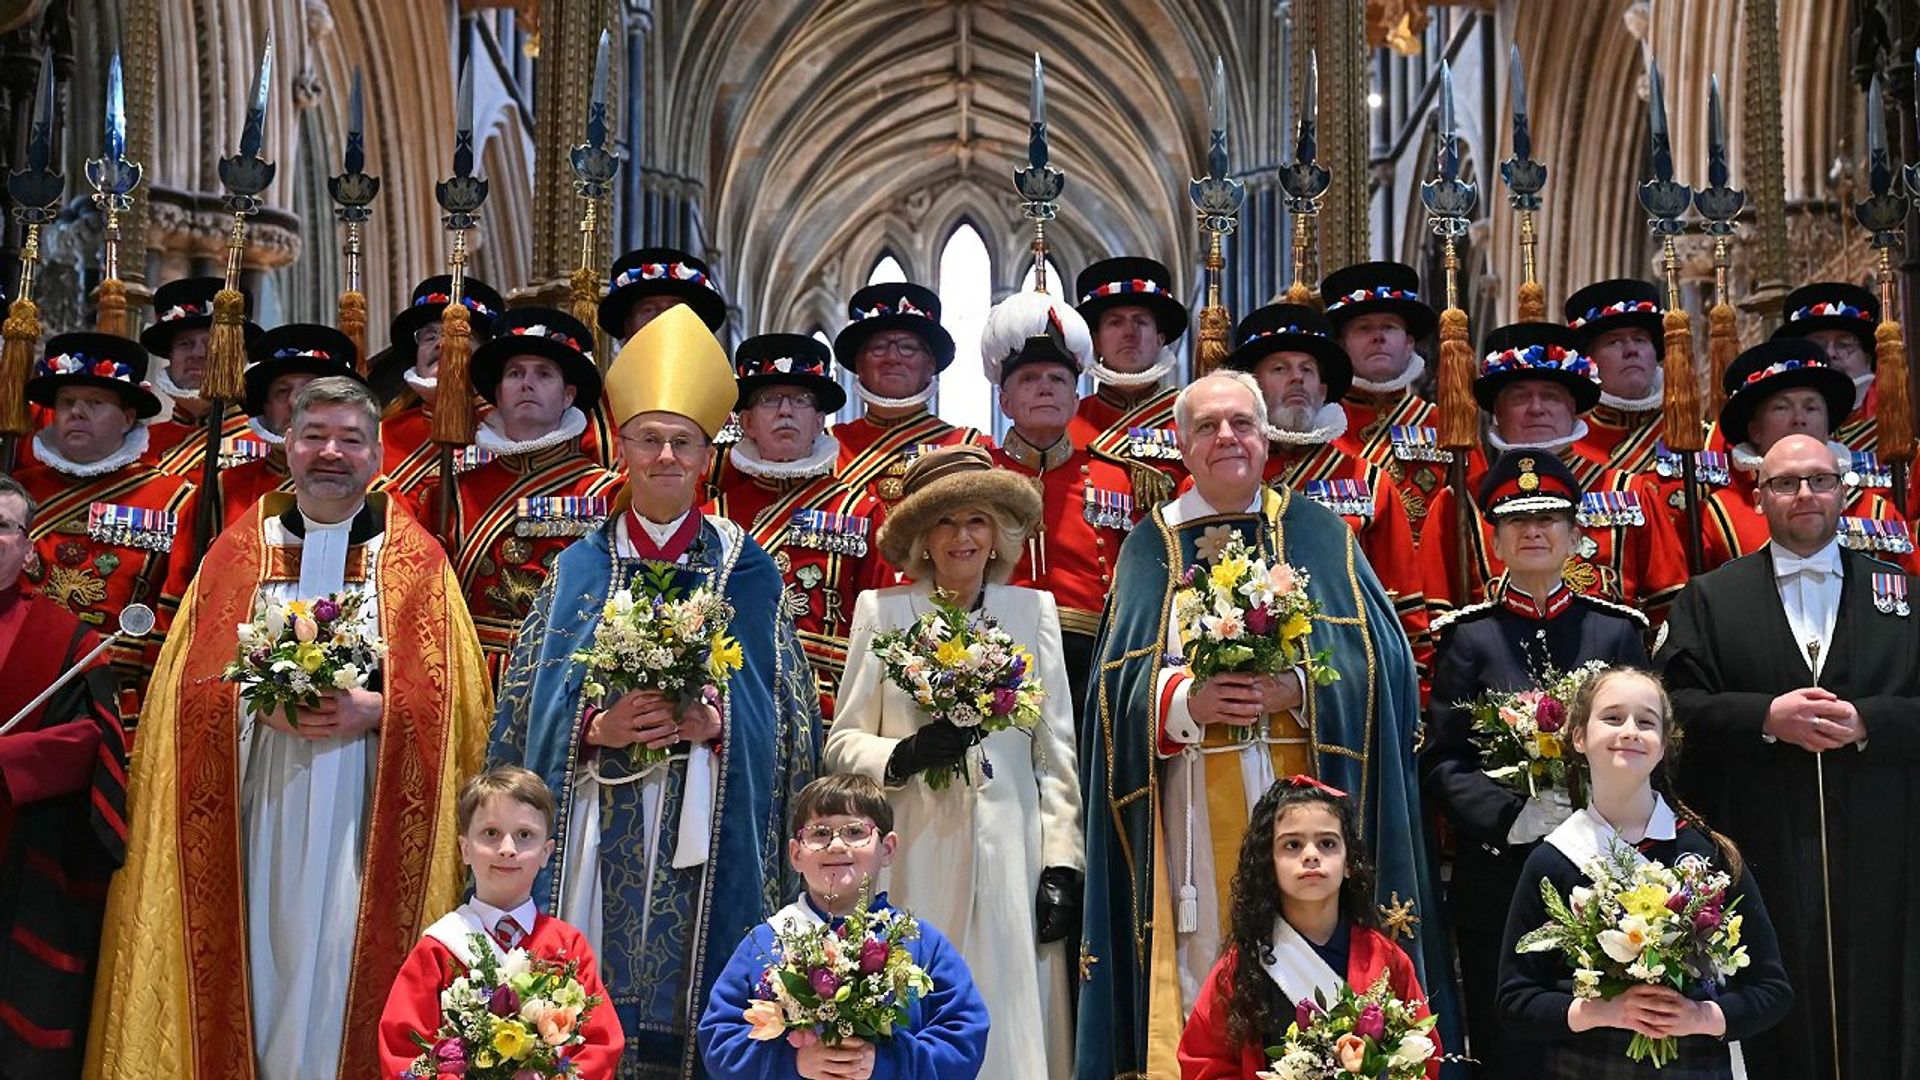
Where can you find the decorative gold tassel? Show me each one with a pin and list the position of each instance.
(1893, 437)
(22, 334)
(1533, 302)
(1680, 412)
(583, 303)
(353, 323)
(453, 406)
(1216, 327)
(226, 348)
(111, 318)
(1301, 293)
(1459, 414)
(1723, 345)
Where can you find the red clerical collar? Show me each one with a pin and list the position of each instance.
(676, 544)
(1516, 600)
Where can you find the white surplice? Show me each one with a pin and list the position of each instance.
(304, 806)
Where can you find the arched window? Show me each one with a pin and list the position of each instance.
(966, 294)
(887, 270)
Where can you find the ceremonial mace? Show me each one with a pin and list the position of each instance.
(1666, 202)
(136, 620)
(1216, 196)
(36, 193)
(1303, 179)
(1719, 204)
(1449, 201)
(594, 165)
(1826, 875)
(1524, 178)
(245, 175)
(460, 197)
(352, 191)
(113, 179)
(1039, 184)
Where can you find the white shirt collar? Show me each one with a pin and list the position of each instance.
(1586, 835)
(659, 533)
(1190, 506)
(131, 449)
(490, 916)
(1826, 559)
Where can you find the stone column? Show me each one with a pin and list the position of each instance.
(563, 82)
(1764, 166)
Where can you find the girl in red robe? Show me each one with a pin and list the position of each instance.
(1303, 920)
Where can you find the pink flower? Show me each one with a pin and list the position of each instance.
(824, 982)
(1281, 579)
(1305, 1013)
(1550, 714)
(1351, 1052)
(450, 1057)
(304, 629)
(1259, 621)
(1677, 903)
(325, 611)
(1707, 919)
(873, 956)
(556, 1024)
(1005, 700)
(764, 1018)
(1371, 1023)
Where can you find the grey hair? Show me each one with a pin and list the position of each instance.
(336, 390)
(10, 486)
(1183, 403)
(1009, 533)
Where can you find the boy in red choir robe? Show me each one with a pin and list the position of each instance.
(506, 817)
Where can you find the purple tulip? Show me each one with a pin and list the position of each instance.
(824, 982)
(1259, 621)
(325, 611)
(1004, 701)
(873, 956)
(1371, 1023)
(259, 657)
(1706, 920)
(1305, 1013)
(1549, 715)
(504, 1002)
(1677, 903)
(450, 1057)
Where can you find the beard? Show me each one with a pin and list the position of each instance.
(1295, 418)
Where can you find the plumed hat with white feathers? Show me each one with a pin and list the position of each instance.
(1030, 327)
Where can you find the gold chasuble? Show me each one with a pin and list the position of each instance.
(172, 996)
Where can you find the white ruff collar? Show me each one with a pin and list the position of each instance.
(163, 382)
(1329, 424)
(819, 461)
(1580, 431)
(1861, 384)
(134, 445)
(424, 385)
(912, 402)
(1132, 380)
(1654, 399)
(1416, 367)
(261, 432)
(1748, 459)
(488, 435)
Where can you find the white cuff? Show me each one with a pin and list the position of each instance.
(1177, 718)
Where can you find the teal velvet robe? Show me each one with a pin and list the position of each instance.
(1363, 730)
(771, 750)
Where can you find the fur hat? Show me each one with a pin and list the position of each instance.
(950, 478)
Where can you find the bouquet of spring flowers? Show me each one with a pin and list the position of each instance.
(293, 650)
(854, 982)
(517, 1017)
(660, 640)
(1371, 1034)
(1519, 731)
(1243, 614)
(965, 670)
(1643, 923)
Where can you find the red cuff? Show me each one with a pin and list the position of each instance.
(1169, 747)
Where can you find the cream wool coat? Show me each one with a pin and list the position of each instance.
(970, 857)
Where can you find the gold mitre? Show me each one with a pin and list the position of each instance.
(674, 364)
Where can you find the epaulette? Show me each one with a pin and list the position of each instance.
(1457, 614)
(1618, 609)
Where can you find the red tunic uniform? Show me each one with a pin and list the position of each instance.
(512, 517)
(1140, 436)
(820, 533)
(250, 468)
(1396, 432)
(108, 541)
(413, 1006)
(874, 454)
(1731, 525)
(409, 456)
(1207, 1052)
(1862, 426)
(178, 446)
(1623, 440)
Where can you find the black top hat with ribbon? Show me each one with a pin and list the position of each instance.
(430, 298)
(187, 304)
(1535, 350)
(787, 360)
(1131, 281)
(1377, 288)
(1831, 305)
(296, 349)
(895, 305)
(1528, 482)
(107, 361)
(545, 332)
(1293, 328)
(1766, 369)
(1616, 304)
(660, 271)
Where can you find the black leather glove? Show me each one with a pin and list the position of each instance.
(1057, 904)
(939, 744)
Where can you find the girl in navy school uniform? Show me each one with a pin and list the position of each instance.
(1621, 724)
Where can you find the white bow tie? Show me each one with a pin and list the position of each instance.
(1826, 563)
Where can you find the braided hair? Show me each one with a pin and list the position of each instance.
(1581, 713)
(1258, 1010)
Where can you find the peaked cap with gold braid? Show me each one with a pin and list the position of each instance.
(676, 365)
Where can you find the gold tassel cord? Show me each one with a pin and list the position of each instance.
(226, 348)
(1893, 437)
(583, 297)
(111, 318)
(22, 334)
(1459, 414)
(353, 323)
(1723, 345)
(1533, 302)
(1301, 293)
(453, 407)
(1215, 328)
(1680, 412)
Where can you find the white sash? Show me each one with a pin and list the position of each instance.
(1299, 971)
(455, 930)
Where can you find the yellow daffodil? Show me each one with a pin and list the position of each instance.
(1647, 901)
(1228, 572)
(723, 656)
(951, 653)
(1546, 745)
(310, 657)
(1733, 930)
(1295, 628)
(299, 608)
(510, 1039)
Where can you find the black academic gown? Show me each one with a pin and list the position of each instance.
(1491, 647)
(1729, 652)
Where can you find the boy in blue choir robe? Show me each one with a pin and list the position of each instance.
(842, 838)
